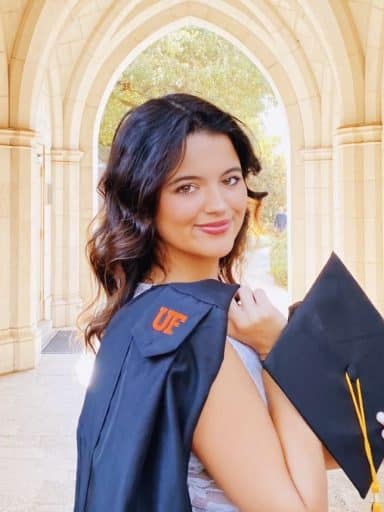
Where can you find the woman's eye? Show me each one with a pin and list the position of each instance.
(186, 189)
(232, 180)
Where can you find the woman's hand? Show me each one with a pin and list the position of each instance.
(380, 419)
(254, 320)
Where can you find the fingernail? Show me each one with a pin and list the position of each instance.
(380, 416)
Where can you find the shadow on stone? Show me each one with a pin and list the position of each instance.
(64, 342)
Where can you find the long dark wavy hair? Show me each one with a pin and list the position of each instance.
(148, 144)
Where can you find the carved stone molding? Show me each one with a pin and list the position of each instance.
(317, 154)
(65, 156)
(359, 135)
(19, 139)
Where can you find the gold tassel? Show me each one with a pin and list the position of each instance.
(359, 409)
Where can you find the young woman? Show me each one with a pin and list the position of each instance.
(175, 210)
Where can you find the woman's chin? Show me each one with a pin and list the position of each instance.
(216, 250)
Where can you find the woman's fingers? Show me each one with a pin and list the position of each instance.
(380, 419)
(246, 298)
(260, 296)
(242, 307)
(253, 320)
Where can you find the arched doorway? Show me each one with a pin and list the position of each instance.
(199, 61)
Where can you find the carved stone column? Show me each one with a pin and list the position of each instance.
(318, 209)
(66, 302)
(20, 270)
(358, 205)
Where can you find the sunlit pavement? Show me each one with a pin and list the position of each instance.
(38, 415)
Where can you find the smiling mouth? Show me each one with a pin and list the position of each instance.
(215, 228)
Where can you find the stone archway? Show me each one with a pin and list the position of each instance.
(298, 110)
(29, 61)
(325, 63)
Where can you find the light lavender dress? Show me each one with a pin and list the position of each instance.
(205, 495)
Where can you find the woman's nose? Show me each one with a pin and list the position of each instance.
(214, 200)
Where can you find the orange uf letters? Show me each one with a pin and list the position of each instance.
(166, 319)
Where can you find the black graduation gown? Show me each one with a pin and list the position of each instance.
(152, 374)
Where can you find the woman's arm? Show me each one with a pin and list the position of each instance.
(262, 461)
(254, 320)
(307, 469)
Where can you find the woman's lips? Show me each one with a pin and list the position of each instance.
(215, 228)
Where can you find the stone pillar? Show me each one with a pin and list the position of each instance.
(66, 302)
(20, 224)
(358, 206)
(318, 209)
(88, 208)
(296, 228)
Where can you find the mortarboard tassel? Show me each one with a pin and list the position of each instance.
(359, 408)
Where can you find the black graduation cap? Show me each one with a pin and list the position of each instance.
(332, 345)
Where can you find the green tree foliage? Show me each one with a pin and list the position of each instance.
(200, 62)
(272, 178)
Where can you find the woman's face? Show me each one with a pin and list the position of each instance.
(203, 203)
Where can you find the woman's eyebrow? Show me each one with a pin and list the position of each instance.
(191, 177)
(232, 169)
(182, 178)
